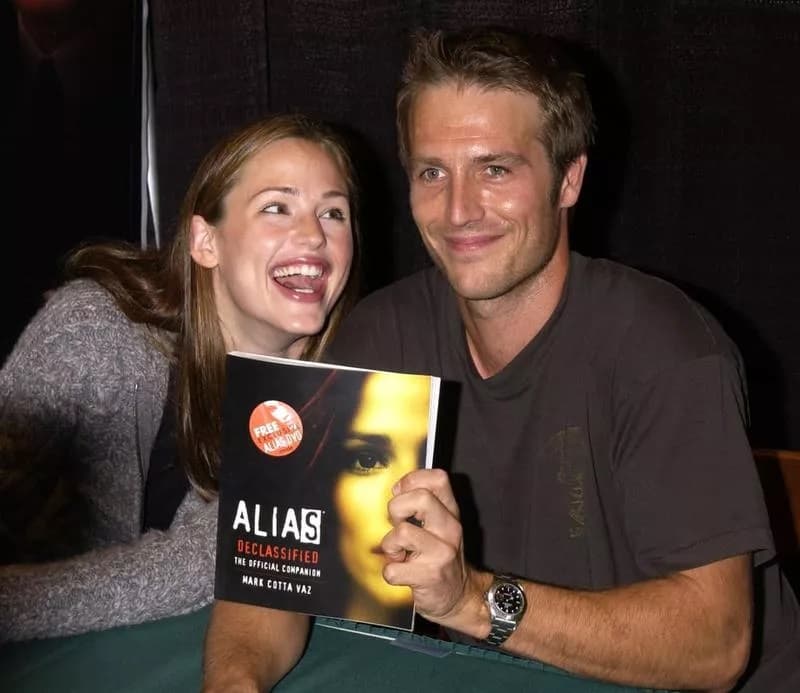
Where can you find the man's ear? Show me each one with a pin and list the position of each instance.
(202, 242)
(572, 182)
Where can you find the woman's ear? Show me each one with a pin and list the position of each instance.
(202, 243)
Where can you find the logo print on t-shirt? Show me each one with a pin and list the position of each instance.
(568, 448)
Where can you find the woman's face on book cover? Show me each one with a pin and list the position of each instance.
(385, 440)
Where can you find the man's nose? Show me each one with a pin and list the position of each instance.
(464, 201)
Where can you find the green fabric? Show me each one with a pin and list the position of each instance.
(166, 656)
(160, 656)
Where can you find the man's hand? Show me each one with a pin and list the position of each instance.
(426, 552)
(690, 629)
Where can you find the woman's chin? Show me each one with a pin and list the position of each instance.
(304, 326)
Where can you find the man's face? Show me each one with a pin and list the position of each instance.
(481, 188)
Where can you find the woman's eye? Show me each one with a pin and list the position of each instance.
(274, 208)
(366, 462)
(336, 214)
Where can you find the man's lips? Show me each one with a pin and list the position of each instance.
(462, 243)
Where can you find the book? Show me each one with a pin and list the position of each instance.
(309, 454)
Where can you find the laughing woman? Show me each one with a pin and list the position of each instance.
(109, 403)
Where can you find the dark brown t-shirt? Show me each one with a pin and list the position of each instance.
(612, 449)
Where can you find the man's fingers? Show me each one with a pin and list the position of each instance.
(419, 557)
(423, 511)
(434, 481)
(400, 542)
(436, 538)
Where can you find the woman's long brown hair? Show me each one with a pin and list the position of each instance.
(168, 292)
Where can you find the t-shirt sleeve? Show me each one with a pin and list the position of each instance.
(369, 337)
(396, 328)
(684, 468)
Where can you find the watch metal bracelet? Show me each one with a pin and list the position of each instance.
(501, 630)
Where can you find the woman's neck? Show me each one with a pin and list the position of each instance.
(285, 347)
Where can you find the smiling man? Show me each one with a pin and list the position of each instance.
(601, 420)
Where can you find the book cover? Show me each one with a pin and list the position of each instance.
(310, 452)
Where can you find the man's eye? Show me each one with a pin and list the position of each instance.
(335, 214)
(495, 171)
(274, 208)
(429, 175)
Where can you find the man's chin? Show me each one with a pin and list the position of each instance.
(468, 287)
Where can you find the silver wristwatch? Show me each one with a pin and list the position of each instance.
(507, 603)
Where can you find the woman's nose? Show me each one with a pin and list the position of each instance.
(309, 232)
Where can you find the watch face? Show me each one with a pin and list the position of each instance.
(509, 598)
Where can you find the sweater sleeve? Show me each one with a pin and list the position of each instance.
(70, 459)
(69, 428)
(161, 574)
(55, 392)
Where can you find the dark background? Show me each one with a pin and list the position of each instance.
(693, 176)
(69, 142)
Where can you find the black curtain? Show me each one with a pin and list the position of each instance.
(69, 140)
(692, 177)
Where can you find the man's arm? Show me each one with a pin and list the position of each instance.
(691, 629)
(250, 648)
(688, 630)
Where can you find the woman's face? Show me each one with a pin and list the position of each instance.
(385, 441)
(281, 253)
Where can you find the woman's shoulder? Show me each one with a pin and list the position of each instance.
(83, 298)
(81, 317)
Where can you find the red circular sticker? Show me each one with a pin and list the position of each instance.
(276, 428)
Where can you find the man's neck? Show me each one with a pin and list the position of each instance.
(499, 329)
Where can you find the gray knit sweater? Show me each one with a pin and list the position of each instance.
(87, 382)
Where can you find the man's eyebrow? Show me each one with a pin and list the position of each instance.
(508, 158)
(425, 161)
